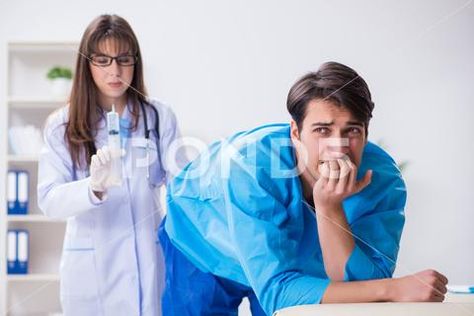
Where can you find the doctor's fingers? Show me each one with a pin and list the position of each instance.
(113, 153)
(104, 155)
(95, 162)
(100, 157)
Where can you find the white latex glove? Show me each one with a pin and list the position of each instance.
(102, 177)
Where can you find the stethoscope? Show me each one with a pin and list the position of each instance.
(147, 136)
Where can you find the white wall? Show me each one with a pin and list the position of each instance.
(225, 66)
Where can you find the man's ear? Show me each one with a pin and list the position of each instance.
(294, 132)
(366, 127)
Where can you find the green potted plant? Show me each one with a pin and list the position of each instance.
(60, 78)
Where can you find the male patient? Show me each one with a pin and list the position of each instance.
(289, 214)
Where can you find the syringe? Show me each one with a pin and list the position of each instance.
(113, 128)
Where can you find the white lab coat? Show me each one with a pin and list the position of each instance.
(111, 262)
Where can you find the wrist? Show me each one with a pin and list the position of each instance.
(387, 290)
(329, 209)
(97, 190)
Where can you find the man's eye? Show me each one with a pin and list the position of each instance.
(355, 131)
(322, 130)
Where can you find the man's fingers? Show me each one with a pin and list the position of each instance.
(344, 168)
(323, 169)
(344, 171)
(440, 287)
(334, 172)
(438, 298)
(360, 185)
(442, 278)
(352, 175)
(439, 292)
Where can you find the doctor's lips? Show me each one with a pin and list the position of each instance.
(117, 84)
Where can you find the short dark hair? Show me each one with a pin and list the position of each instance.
(334, 82)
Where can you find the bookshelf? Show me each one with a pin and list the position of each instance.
(29, 101)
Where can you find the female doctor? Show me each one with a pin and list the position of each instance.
(111, 262)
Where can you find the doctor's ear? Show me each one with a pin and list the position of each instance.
(294, 131)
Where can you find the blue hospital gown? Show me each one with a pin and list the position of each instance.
(238, 212)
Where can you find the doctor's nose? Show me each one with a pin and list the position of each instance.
(114, 69)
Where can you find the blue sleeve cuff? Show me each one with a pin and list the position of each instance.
(309, 290)
(360, 267)
(303, 290)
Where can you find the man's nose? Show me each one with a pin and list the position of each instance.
(338, 151)
(336, 147)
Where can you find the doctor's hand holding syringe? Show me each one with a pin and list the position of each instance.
(106, 164)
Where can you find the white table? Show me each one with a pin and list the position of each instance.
(454, 305)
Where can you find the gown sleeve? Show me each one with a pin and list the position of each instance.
(265, 240)
(377, 233)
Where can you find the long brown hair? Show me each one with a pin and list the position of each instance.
(85, 112)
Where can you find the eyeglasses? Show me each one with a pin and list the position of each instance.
(122, 60)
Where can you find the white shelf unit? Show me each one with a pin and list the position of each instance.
(34, 218)
(29, 101)
(22, 158)
(37, 103)
(33, 278)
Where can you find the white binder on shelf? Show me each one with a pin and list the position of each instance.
(23, 181)
(11, 251)
(11, 191)
(23, 251)
(17, 192)
(17, 251)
